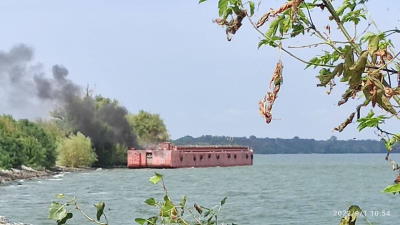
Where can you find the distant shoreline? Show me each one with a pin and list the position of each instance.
(295, 145)
(330, 153)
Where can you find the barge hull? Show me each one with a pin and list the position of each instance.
(167, 155)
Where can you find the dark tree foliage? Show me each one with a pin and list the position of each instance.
(102, 120)
(289, 146)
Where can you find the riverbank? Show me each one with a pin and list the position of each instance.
(27, 173)
(5, 221)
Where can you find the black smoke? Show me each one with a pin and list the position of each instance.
(25, 86)
(104, 122)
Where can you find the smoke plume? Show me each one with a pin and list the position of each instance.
(25, 87)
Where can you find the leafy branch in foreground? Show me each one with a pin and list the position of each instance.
(362, 61)
(365, 63)
(61, 211)
(352, 215)
(168, 213)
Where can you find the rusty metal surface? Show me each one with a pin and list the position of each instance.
(167, 155)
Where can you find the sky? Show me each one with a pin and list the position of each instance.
(167, 57)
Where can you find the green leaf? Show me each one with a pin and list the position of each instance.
(370, 121)
(227, 12)
(297, 29)
(273, 27)
(201, 1)
(222, 6)
(354, 16)
(140, 221)
(263, 42)
(65, 219)
(354, 209)
(251, 4)
(57, 211)
(182, 203)
(152, 220)
(285, 25)
(373, 44)
(151, 201)
(391, 142)
(223, 201)
(325, 76)
(168, 208)
(100, 209)
(392, 188)
(270, 42)
(156, 178)
(328, 58)
(60, 196)
(353, 212)
(313, 62)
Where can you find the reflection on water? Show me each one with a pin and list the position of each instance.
(278, 189)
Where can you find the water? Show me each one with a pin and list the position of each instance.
(278, 189)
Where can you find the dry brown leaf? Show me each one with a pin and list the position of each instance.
(265, 105)
(389, 92)
(233, 25)
(384, 55)
(294, 5)
(341, 127)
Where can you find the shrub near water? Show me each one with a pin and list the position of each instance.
(76, 151)
(25, 143)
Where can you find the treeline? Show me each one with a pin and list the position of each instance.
(25, 143)
(87, 131)
(289, 146)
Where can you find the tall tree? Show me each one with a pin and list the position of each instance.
(149, 128)
(102, 120)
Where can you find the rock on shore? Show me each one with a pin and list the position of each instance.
(23, 173)
(5, 221)
(26, 173)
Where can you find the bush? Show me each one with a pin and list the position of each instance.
(76, 151)
(102, 120)
(25, 143)
(44, 143)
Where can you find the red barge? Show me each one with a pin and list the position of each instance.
(167, 155)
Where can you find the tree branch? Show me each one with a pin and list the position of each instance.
(283, 49)
(332, 11)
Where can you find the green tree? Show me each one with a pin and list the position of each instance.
(149, 128)
(39, 141)
(52, 128)
(102, 120)
(25, 143)
(76, 151)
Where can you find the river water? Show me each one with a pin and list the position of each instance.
(277, 189)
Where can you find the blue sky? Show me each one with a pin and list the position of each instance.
(167, 57)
